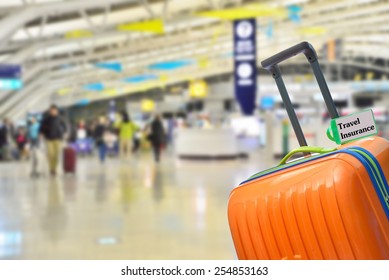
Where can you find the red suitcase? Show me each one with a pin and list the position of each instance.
(69, 160)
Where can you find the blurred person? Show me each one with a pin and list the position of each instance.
(21, 142)
(33, 133)
(111, 143)
(100, 134)
(84, 142)
(6, 139)
(126, 133)
(52, 129)
(10, 130)
(91, 128)
(3, 142)
(170, 130)
(206, 123)
(136, 141)
(157, 136)
(81, 130)
(72, 132)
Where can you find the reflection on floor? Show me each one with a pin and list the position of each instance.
(130, 209)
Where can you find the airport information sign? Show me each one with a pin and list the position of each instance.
(10, 76)
(10, 71)
(245, 70)
(10, 84)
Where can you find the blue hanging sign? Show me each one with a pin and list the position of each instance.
(11, 84)
(170, 65)
(94, 87)
(10, 71)
(294, 13)
(82, 102)
(267, 102)
(141, 78)
(245, 66)
(113, 66)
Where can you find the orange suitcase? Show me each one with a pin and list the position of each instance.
(330, 205)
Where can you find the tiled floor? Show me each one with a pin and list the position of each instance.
(130, 209)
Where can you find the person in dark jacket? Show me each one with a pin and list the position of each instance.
(157, 137)
(52, 129)
(99, 134)
(3, 141)
(6, 139)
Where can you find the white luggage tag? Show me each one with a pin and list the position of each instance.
(352, 127)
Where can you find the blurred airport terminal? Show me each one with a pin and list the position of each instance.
(125, 125)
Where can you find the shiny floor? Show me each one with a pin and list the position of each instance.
(131, 209)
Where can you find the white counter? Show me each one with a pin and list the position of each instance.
(207, 143)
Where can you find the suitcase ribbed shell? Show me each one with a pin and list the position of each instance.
(322, 209)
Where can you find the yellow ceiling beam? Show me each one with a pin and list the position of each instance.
(247, 11)
(78, 33)
(151, 26)
(314, 30)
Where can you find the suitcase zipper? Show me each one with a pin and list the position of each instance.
(382, 184)
(376, 166)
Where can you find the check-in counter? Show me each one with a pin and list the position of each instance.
(206, 143)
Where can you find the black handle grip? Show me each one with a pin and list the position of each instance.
(270, 65)
(303, 47)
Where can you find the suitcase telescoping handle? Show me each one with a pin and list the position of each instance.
(270, 65)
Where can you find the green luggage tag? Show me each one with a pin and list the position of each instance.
(352, 127)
